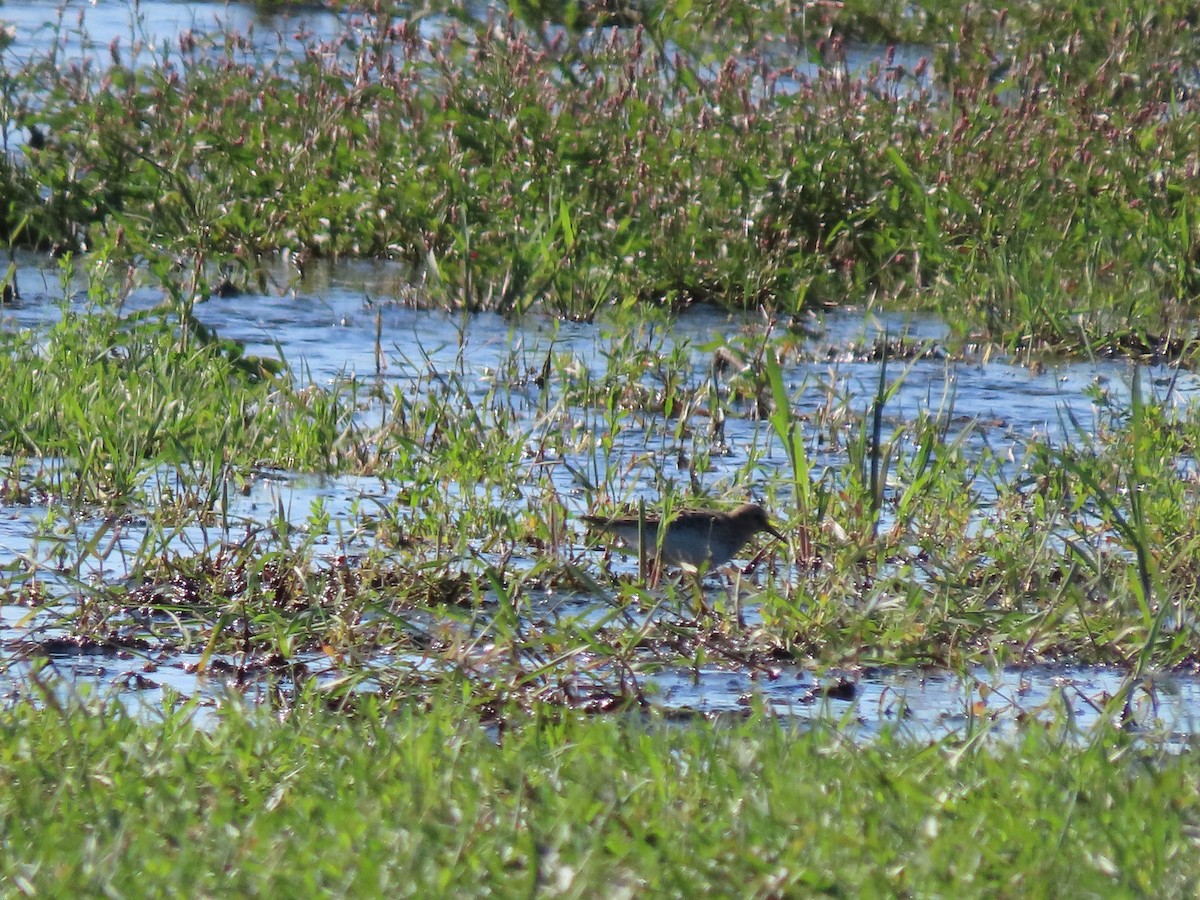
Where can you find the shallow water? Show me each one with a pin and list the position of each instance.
(932, 705)
(925, 705)
(81, 28)
(327, 328)
(327, 325)
(84, 28)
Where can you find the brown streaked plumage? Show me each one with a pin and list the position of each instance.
(693, 537)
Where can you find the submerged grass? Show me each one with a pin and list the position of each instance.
(426, 801)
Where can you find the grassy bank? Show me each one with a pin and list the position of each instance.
(428, 802)
(1033, 179)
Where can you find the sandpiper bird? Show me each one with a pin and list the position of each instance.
(693, 537)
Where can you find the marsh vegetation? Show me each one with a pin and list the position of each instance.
(317, 345)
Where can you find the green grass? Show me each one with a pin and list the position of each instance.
(427, 801)
(1035, 184)
(123, 396)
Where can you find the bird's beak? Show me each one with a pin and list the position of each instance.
(772, 530)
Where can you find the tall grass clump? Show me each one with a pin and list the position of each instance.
(114, 396)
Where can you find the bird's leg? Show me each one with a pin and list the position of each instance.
(735, 597)
(643, 553)
(656, 570)
(703, 610)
